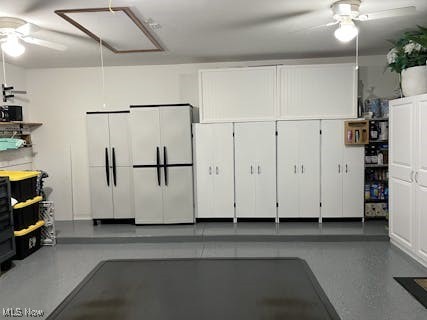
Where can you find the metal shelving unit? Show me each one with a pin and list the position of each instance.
(376, 177)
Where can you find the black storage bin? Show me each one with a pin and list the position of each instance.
(28, 240)
(23, 184)
(27, 215)
(24, 189)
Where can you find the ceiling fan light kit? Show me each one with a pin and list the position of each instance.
(347, 31)
(12, 47)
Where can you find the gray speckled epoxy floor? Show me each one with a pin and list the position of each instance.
(356, 276)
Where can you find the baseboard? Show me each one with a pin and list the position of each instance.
(410, 253)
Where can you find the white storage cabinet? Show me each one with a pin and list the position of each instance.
(110, 171)
(298, 169)
(214, 166)
(162, 164)
(408, 175)
(342, 174)
(255, 169)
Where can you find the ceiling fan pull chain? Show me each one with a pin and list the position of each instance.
(357, 51)
(102, 73)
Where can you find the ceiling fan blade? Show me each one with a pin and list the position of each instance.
(271, 19)
(405, 11)
(45, 43)
(316, 27)
(27, 29)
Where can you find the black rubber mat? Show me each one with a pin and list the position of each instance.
(416, 286)
(199, 289)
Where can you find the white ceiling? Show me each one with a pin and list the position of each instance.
(211, 30)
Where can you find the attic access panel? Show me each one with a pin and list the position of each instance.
(121, 31)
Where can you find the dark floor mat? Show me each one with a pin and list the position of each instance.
(198, 289)
(416, 286)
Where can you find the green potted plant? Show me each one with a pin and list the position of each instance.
(408, 58)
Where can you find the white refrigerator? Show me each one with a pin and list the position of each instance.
(162, 163)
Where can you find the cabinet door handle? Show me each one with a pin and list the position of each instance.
(252, 170)
(210, 170)
(158, 165)
(114, 168)
(295, 168)
(346, 168)
(302, 168)
(165, 164)
(107, 167)
(339, 168)
(216, 170)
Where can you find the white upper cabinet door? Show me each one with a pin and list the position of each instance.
(309, 165)
(238, 94)
(331, 167)
(353, 181)
(223, 170)
(100, 193)
(204, 157)
(317, 91)
(264, 141)
(120, 141)
(245, 162)
(175, 133)
(98, 139)
(288, 169)
(178, 195)
(145, 135)
(401, 166)
(123, 193)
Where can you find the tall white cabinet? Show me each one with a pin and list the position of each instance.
(214, 156)
(298, 169)
(408, 175)
(162, 164)
(255, 169)
(342, 177)
(110, 171)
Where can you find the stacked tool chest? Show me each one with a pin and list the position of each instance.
(7, 243)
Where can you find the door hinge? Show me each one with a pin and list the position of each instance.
(277, 133)
(277, 204)
(234, 204)
(320, 204)
(320, 131)
(233, 134)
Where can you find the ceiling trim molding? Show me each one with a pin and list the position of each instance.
(64, 14)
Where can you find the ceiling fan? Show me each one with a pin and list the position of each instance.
(345, 12)
(15, 30)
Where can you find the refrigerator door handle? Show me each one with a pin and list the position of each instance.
(114, 168)
(165, 164)
(107, 167)
(158, 165)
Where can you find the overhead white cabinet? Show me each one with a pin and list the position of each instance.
(162, 164)
(408, 175)
(255, 169)
(324, 91)
(214, 154)
(109, 164)
(342, 173)
(238, 94)
(298, 169)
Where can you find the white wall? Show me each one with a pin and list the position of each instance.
(60, 98)
(16, 159)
